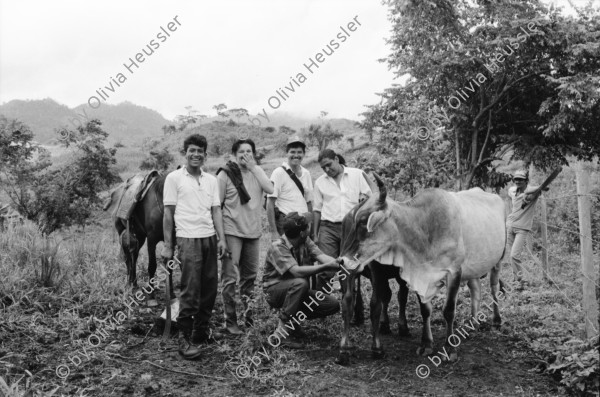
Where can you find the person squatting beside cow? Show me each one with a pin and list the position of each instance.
(285, 280)
(437, 238)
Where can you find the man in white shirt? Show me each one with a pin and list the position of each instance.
(336, 193)
(292, 188)
(192, 204)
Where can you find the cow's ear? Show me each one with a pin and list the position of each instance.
(375, 219)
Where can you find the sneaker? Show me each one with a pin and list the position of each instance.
(187, 349)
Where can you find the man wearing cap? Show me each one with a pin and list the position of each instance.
(292, 188)
(285, 281)
(520, 220)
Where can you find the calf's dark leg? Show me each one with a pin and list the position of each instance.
(347, 308)
(402, 301)
(384, 327)
(359, 307)
(378, 280)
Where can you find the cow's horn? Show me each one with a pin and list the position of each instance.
(382, 189)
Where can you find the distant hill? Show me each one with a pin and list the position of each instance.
(124, 122)
(277, 119)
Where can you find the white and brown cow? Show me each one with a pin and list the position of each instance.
(437, 238)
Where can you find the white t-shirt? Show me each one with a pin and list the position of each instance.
(335, 202)
(289, 198)
(193, 199)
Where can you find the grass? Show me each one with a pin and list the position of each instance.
(53, 291)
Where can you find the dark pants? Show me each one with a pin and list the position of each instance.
(330, 241)
(279, 217)
(199, 282)
(293, 295)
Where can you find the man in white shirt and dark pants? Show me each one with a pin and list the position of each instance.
(193, 206)
(292, 188)
(336, 193)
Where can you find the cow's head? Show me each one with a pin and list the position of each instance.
(367, 231)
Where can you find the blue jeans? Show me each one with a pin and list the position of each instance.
(242, 265)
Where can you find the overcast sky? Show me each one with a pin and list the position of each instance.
(235, 52)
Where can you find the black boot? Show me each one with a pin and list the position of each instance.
(188, 350)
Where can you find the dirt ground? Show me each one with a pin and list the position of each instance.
(137, 363)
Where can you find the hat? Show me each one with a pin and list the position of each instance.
(295, 223)
(520, 174)
(295, 139)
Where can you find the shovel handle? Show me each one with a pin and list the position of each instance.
(167, 330)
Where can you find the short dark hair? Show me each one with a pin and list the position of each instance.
(330, 154)
(235, 147)
(295, 145)
(195, 139)
(294, 224)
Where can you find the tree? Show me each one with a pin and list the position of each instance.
(322, 136)
(220, 109)
(286, 130)
(238, 113)
(492, 79)
(169, 129)
(157, 160)
(54, 197)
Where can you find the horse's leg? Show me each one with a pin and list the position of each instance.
(452, 286)
(347, 308)
(426, 347)
(378, 280)
(402, 301)
(152, 270)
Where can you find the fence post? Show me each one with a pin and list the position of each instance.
(590, 305)
(544, 231)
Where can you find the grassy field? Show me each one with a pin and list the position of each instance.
(54, 294)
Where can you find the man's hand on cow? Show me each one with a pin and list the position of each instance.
(167, 253)
(221, 248)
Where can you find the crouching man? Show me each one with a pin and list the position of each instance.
(285, 282)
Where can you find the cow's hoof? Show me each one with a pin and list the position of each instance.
(403, 332)
(384, 329)
(424, 351)
(377, 354)
(343, 358)
(152, 303)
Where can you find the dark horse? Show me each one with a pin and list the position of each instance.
(146, 223)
